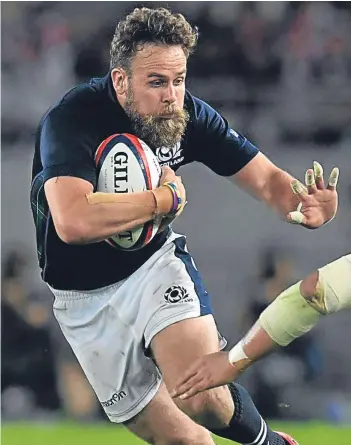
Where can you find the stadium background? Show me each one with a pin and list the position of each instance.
(280, 72)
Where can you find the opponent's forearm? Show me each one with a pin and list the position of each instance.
(278, 325)
(288, 317)
(254, 345)
(257, 342)
(103, 215)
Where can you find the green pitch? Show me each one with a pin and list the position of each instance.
(73, 434)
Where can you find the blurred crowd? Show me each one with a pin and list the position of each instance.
(40, 376)
(248, 54)
(278, 69)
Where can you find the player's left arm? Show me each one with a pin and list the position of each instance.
(265, 181)
(311, 206)
(232, 155)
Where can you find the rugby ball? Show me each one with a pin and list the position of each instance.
(125, 164)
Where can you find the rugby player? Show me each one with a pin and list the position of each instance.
(136, 320)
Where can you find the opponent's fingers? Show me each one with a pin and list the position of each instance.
(333, 179)
(299, 189)
(193, 391)
(310, 181)
(318, 174)
(185, 388)
(184, 382)
(296, 218)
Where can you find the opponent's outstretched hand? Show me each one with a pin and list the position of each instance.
(206, 372)
(318, 203)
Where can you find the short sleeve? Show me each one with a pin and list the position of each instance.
(215, 144)
(66, 149)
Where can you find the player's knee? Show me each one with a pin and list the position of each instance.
(213, 408)
(308, 286)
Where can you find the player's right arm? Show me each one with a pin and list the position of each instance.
(80, 216)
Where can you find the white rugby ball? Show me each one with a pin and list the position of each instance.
(125, 164)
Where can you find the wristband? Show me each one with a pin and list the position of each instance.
(155, 213)
(238, 358)
(177, 199)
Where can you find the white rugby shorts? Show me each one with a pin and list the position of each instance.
(110, 329)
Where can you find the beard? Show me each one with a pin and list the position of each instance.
(154, 129)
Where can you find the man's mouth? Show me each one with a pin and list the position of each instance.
(167, 116)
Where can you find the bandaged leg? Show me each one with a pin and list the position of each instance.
(292, 314)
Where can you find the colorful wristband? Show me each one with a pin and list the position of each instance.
(177, 199)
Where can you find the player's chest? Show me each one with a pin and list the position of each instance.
(174, 156)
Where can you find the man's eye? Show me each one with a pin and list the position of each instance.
(179, 81)
(156, 83)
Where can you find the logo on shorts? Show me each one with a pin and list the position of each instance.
(116, 397)
(174, 294)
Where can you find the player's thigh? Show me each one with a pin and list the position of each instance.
(180, 326)
(161, 422)
(182, 329)
(174, 349)
(178, 345)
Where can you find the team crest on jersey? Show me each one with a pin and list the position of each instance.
(170, 156)
(175, 294)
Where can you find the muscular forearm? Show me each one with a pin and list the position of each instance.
(254, 345)
(103, 215)
(257, 342)
(278, 193)
(268, 183)
(288, 317)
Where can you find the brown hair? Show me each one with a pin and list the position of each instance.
(143, 25)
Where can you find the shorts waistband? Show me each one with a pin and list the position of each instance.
(78, 294)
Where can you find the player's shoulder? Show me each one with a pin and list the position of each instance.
(198, 109)
(82, 101)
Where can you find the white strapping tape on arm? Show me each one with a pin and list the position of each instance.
(291, 315)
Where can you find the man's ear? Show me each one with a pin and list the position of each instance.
(120, 81)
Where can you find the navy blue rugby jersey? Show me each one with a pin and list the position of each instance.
(67, 138)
